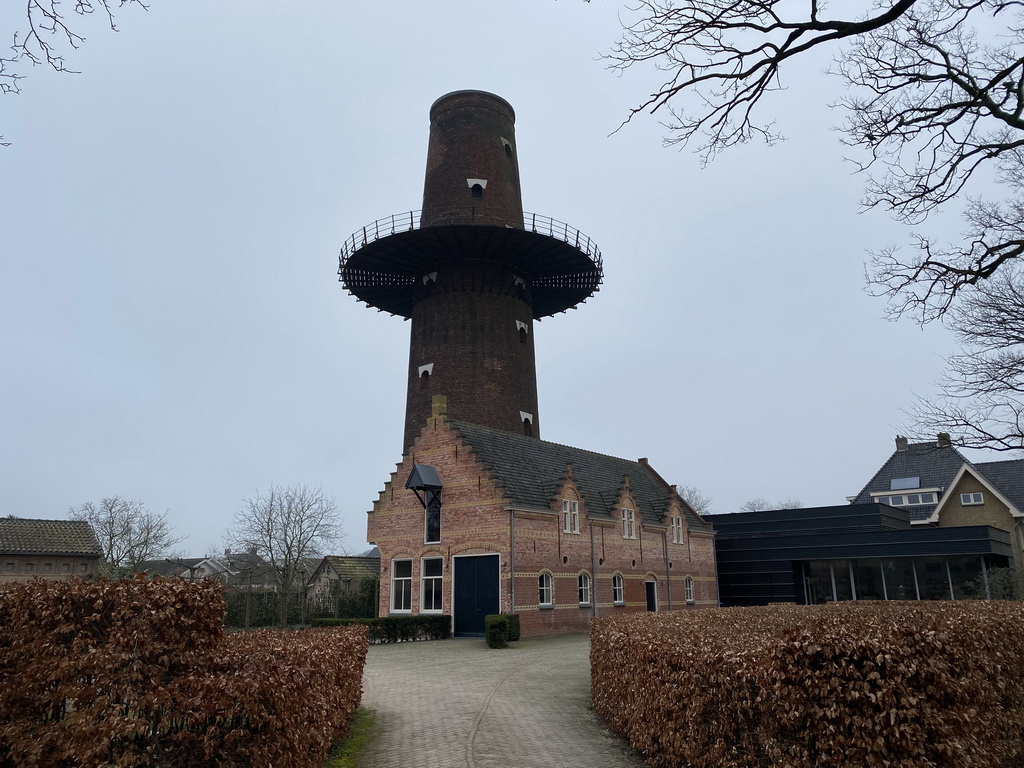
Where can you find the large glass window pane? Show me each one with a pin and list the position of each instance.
(932, 578)
(844, 585)
(966, 575)
(899, 578)
(819, 582)
(867, 575)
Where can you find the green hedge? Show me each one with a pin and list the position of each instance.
(397, 629)
(496, 630)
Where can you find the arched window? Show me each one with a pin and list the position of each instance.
(476, 192)
(425, 380)
(689, 589)
(527, 428)
(618, 594)
(544, 583)
(583, 584)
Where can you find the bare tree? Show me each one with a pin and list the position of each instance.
(128, 532)
(933, 93)
(982, 400)
(762, 505)
(46, 37)
(285, 526)
(693, 496)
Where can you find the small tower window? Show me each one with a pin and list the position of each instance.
(425, 380)
(527, 423)
(477, 192)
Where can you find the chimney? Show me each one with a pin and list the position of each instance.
(944, 440)
(901, 443)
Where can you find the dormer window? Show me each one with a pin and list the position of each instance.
(628, 523)
(907, 499)
(570, 516)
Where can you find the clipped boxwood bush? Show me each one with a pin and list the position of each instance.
(496, 630)
(397, 629)
(514, 631)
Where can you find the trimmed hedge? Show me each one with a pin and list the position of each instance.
(496, 630)
(849, 685)
(139, 672)
(397, 629)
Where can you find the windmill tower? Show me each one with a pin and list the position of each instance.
(472, 271)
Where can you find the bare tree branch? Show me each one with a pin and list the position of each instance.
(128, 532)
(46, 38)
(285, 526)
(933, 92)
(982, 391)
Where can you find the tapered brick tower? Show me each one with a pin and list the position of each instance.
(472, 271)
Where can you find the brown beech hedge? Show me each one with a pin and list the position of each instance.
(847, 684)
(141, 673)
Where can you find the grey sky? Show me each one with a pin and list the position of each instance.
(170, 219)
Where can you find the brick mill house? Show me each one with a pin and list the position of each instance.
(482, 516)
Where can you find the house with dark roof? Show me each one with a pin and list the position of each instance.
(48, 549)
(338, 579)
(939, 487)
(479, 520)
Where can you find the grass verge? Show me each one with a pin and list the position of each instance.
(346, 753)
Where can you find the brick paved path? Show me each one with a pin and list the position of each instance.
(456, 702)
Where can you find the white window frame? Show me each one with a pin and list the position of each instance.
(677, 530)
(628, 523)
(570, 516)
(904, 499)
(971, 499)
(406, 588)
(438, 587)
(545, 588)
(688, 589)
(583, 588)
(618, 589)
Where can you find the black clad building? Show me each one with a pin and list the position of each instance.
(850, 552)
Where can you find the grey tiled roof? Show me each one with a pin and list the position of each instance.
(20, 536)
(1007, 477)
(935, 464)
(351, 567)
(529, 471)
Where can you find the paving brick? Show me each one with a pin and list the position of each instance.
(459, 703)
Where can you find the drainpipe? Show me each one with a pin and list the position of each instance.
(593, 570)
(512, 560)
(668, 572)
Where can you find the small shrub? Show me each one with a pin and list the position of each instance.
(514, 632)
(496, 630)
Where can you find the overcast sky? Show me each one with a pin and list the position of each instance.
(172, 326)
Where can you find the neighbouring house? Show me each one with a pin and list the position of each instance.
(48, 549)
(482, 516)
(939, 487)
(477, 520)
(860, 551)
(339, 580)
(238, 570)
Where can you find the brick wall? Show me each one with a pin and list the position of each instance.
(475, 521)
(27, 567)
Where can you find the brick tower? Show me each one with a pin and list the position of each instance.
(472, 271)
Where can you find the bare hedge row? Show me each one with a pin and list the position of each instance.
(847, 684)
(141, 673)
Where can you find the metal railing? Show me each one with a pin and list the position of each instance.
(407, 222)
